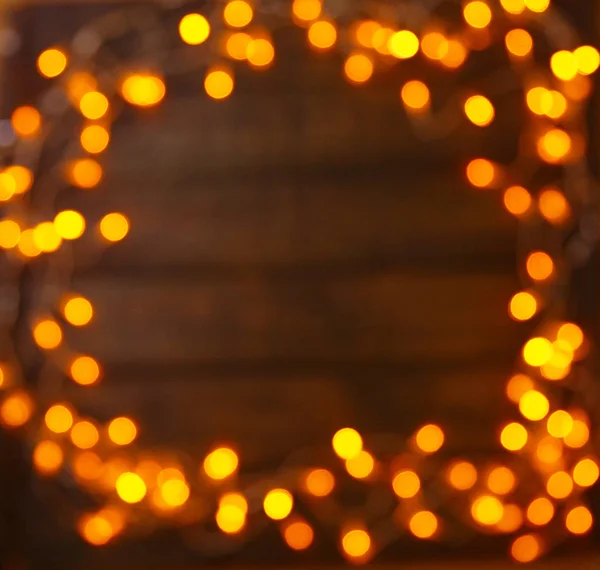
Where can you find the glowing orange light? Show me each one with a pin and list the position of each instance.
(16, 410)
(423, 524)
(84, 435)
(356, 543)
(513, 437)
(586, 472)
(69, 224)
(588, 59)
(347, 443)
(477, 14)
(47, 334)
(238, 13)
(526, 548)
(47, 457)
(360, 466)
(554, 146)
(487, 510)
(519, 42)
(52, 62)
(306, 10)
(122, 431)
(554, 206)
(319, 482)
(434, 45)
(559, 485)
(114, 227)
(539, 265)
(429, 438)
(84, 370)
(523, 306)
(221, 463)
(501, 480)
(415, 96)
(322, 35)
(406, 484)
(59, 418)
(571, 334)
(278, 504)
(26, 121)
(564, 65)
(534, 405)
(85, 173)
(403, 44)
(358, 68)
(579, 520)
(218, 83)
(78, 311)
(194, 29)
(298, 535)
(560, 423)
(481, 173)
(260, 52)
(93, 105)
(540, 511)
(462, 475)
(479, 110)
(130, 487)
(143, 90)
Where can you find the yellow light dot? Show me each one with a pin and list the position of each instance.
(84, 435)
(456, 54)
(501, 480)
(512, 519)
(298, 535)
(559, 105)
(434, 45)
(564, 65)
(194, 29)
(479, 110)
(23, 177)
(487, 510)
(381, 39)
(143, 90)
(586, 472)
(26, 244)
(85, 173)
(554, 206)
(347, 443)
(322, 35)
(403, 44)
(462, 475)
(7, 187)
(88, 466)
(122, 431)
(85, 371)
(361, 465)
(26, 121)
(549, 450)
(513, 6)
(238, 13)
(58, 418)
(519, 42)
(560, 423)
(571, 334)
(579, 436)
(526, 548)
(235, 499)
(47, 334)
(278, 504)
(93, 105)
(10, 233)
(588, 59)
(98, 529)
(481, 173)
(406, 484)
(554, 146)
(237, 45)
(94, 139)
(130, 487)
(358, 68)
(69, 224)
(429, 438)
(78, 311)
(415, 96)
(523, 306)
(477, 14)
(539, 265)
(16, 410)
(513, 437)
(114, 227)
(537, 5)
(47, 457)
(423, 524)
(578, 89)
(221, 463)
(175, 493)
(579, 520)
(45, 237)
(218, 83)
(540, 511)
(78, 84)
(52, 62)
(260, 52)
(319, 482)
(306, 10)
(559, 485)
(356, 543)
(534, 405)
(539, 100)
(365, 31)
(230, 518)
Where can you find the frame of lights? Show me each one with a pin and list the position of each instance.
(533, 492)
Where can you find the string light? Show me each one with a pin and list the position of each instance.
(26, 121)
(78, 311)
(540, 511)
(306, 10)
(477, 14)
(15, 410)
(479, 110)
(85, 370)
(526, 548)
(403, 44)
(429, 438)
(423, 524)
(487, 510)
(519, 42)
(481, 173)
(360, 466)
(130, 487)
(84, 435)
(559, 485)
(122, 431)
(322, 35)
(143, 90)
(319, 482)
(462, 475)
(69, 224)
(513, 436)
(534, 405)
(59, 418)
(523, 306)
(586, 472)
(347, 443)
(194, 29)
(114, 227)
(93, 105)
(501, 480)
(218, 83)
(260, 53)
(52, 62)
(358, 68)
(356, 543)
(579, 520)
(238, 13)
(85, 173)
(47, 457)
(415, 96)
(406, 484)
(47, 334)
(278, 504)
(540, 266)
(298, 535)
(221, 463)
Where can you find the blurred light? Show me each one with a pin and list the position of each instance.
(93, 105)
(260, 52)
(194, 29)
(381, 39)
(319, 482)
(415, 95)
(519, 42)
(10, 233)
(554, 206)
(429, 438)
(235, 499)
(130, 487)
(122, 431)
(549, 450)
(23, 177)
(78, 311)
(322, 34)
(360, 466)
(513, 6)
(456, 54)
(586, 472)
(306, 10)
(85, 173)
(564, 65)
(406, 484)
(7, 187)
(537, 351)
(526, 548)
(462, 475)
(84, 370)
(588, 59)
(26, 121)
(481, 173)
(356, 543)
(579, 520)
(403, 44)
(87, 465)
(143, 90)
(175, 492)
(278, 504)
(358, 67)
(571, 334)
(477, 14)
(218, 83)
(523, 306)
(539, 100)
(298, 535)
(237, 45)
(540, 511)
(554, 146)
(58, 418)
(534, 405)
(539, 266)
(47, 334)
(423, 524)
(537, 5)
(347, 443)
(479, 110)
(47, 457)
(230, 518)
(221, 463)
(114, 227)
(579, 436)
(16, 409)
(512, 519)
(487, 510)
(95, 529)
(365, 31)
(26, 244)
(434, 45)
(513, 437)
(78, 84)
(69, 224)
(52, 62)
(84, 435)
(501, 480)
(559, 485)
(45, 237)
(560, 423)
(238, 13)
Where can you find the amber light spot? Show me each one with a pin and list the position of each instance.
(539, 266)
(406, 484)
(526, 548)
(306, 10)
(347, 443)
(322, 35)
(559, 485)
(218, 83)
(58, 418)
(462, 475)
(356, 543)
(194, 29)
(143, 90)
(122, 431)
(93, 105)
(16, 410)
(534, 405)
(554, 206)
(481, 173)
(319, 482)
(26, 121)
(479, 110)
(298, 535)
(586, 472)
(403, 44)
(579, 520)
(487, 510)
(48, 457)
(78, 311)
(238, 13)
(358, 68)
(84, 435)
(423, 524)
(130, 487)
(278, 504)
(94, 139)
(52, 62)
(360, 466)
(501, 480)
(47, 334)
(69, 224)
(415, 96)
(523, 306)
(477, 14)
(513, 437)
(114, 227)
(519, 42)
(85, 173)
(85, 371)
(540, 511)
(221, 463)
(429, 438)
